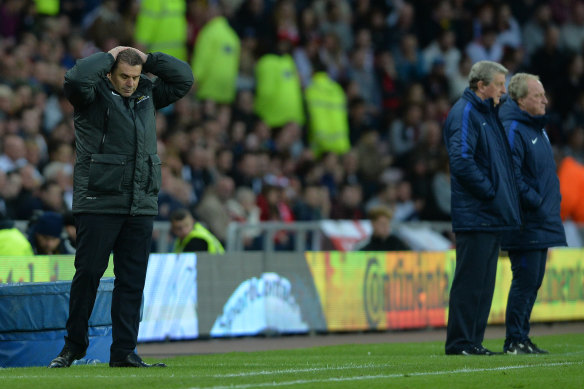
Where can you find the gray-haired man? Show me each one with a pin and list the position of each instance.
(485, 202)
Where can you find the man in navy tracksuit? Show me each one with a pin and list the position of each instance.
(485, 202)
(523, 116)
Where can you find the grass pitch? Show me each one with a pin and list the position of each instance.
(383, 365)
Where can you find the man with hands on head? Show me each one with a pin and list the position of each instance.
(485, 202)
(116, 183)
(523, 116)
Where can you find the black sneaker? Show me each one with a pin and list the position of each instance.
(477, 350)
(533, 347)
(518, 348)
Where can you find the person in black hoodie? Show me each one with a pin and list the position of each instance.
(523, 116)
(381, 238)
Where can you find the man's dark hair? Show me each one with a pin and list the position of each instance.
(179, 214)
(129, 56)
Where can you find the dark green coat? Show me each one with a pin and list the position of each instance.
(117, 170)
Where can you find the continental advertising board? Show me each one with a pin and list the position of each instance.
(378, 291)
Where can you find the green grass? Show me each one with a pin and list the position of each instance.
(383, 365)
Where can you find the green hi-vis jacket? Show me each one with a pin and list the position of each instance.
(200, 232)
(328, 119)
(161, 25)
(278, 97)
(117, 170)
(14, 243)
(216, 61)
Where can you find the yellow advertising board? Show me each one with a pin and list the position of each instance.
(373, 290)
(41, 268)
(399, 290)
(561, 296)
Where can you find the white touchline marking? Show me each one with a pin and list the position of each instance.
(286, 371)
(383, 376)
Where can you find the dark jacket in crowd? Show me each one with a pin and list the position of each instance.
(538, 183)
(117, 169)
(391, 243)
(484, 191)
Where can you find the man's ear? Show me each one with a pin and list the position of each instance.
(109, 76)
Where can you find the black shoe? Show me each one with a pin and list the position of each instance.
(133, 360)
(476, 350)
(65, 358)
(516, 348)
(533, 348)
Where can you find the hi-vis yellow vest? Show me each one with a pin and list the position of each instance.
(161, 25)
(200, 232)
(328, 119)
(215, 61)
(47, 7)
(14, 243)
(278, 97)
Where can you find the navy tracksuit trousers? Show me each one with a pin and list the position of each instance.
(472, 289)
(528, 267)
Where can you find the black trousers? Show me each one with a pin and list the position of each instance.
(472, 289)
(129, 238)
(528, 267)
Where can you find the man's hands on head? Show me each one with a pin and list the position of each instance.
(116, 50)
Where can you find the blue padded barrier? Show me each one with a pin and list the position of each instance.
(33, 318)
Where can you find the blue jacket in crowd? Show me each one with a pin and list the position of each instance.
(484, 191)
(539, 187)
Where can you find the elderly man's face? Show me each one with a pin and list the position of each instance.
(495, 89)
(535, 101)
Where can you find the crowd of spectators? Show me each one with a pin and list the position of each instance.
(400, 65)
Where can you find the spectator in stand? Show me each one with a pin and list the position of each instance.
(13, 153)
(443, 48)
(508, 30)
(243, 209)
(278, 98)
(571, 176)
(13, 242)
(333, 56)
(161, 25)
(349, 203)
(570, 85)
(485, 47)
(215, 60)
(49, 198)
(274, 207)
(533, 31)
(314, 204)
(45, 234)
(197, 170)
(405, 133)
(572, 32)
(549, 61)
(382, 238)
(459, 80)
(328, 122)
(409, 60)
(335, 19)
(213, 209)
(391, 87)
(192, 236)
